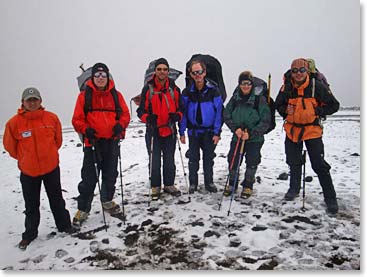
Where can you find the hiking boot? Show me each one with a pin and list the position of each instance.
(211, 187)
(111, 207)
(228, 191)
(23, 244)
(332, 206)
(246, 193)
(290, 195)
(193, 188)
(79, 217)
(172, 190)
(156, 192)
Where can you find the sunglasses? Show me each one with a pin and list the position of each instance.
(198, 72)
(246, 83)
(101, 74)
(296, 70)
(162, 68)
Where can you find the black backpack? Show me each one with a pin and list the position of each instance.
(213, 73)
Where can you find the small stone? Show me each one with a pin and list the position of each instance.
(234, 242)
(283, 176)
(106, 241)
(308, 179)
(60, 253)
(94, 246)
(79, 145)
(69, 260)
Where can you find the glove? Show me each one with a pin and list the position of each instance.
(90, 133)
(174, 117)
(152, 119)
(117, 130)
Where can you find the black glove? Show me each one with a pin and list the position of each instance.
(174, 117)
(117, 130)
(90, 133)
(152, 119)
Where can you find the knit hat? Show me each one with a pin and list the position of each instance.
(31, 93)
(99, 67)
(160, 61)
(300, 62)
(245, 76)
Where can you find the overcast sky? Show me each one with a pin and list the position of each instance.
(44, 42)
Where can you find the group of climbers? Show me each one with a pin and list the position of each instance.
(33, 137)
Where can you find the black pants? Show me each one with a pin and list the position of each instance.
(252, 153)
(31, 187)
(106, 153)
(315, 148)
(203, 141)
(167, 147)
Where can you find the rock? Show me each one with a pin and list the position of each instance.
(38, 259)
(106, 241)
(69, 260)
(51, 235)
(308, 179)
(283, 176)
(79, 145)
(259, 228)
(234, 242)
(146, 222)
(60, 253)
(355, 155)
(131, 239)
(258, 179)
(269, 265)
(284, 235)
(140, 132)
(210, 233)
(94, 246)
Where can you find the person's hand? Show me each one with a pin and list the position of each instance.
(239, 132)
(245, 135)
(216, 139)
(174, 117)
(117, 130)
(90, 134)
(183, 139)
(152, 119)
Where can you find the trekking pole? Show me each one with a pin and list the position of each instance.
(269, 86)
(242, 150)
(122, 189)
(150, 167)
(304, 180)
(183, 166)
(99, 185)
(230, 168)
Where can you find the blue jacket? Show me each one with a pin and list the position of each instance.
(202, 110)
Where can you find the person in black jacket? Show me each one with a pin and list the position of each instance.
(302, 101)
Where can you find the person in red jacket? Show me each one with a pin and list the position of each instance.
(102, 127)
(33, 137)
(160, 109)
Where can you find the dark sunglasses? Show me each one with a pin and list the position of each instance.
(198, 72)
(296, 70)
(246, 83)
(162, 68)
(101, 74)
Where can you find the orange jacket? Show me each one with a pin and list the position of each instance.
(33, 138)
(99, 119)
(160, 105)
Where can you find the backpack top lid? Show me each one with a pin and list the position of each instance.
(149, 73)
(213, 72)
(84, 77)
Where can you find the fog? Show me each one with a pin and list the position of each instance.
(44, 42)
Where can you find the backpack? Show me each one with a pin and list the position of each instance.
(213, 73)
(262, 89)
(82, 79)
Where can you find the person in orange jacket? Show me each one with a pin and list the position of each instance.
(33, 137)
(102, 127)
(302, 101)
(160, 108)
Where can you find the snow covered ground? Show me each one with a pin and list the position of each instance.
(263, 232)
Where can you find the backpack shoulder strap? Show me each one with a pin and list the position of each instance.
(118, 108)
(257, 102)
(87, 100)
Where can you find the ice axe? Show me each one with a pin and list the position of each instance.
(304, 181)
